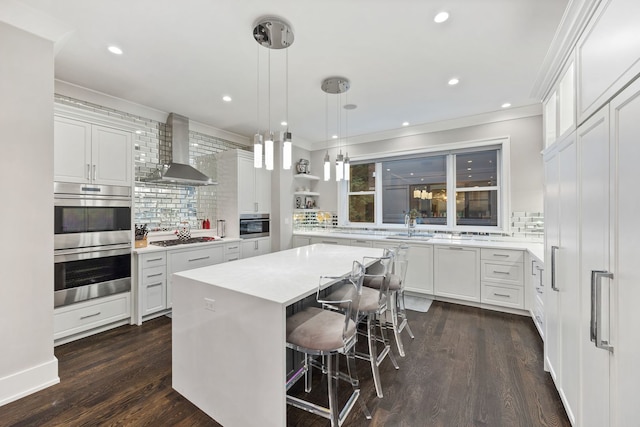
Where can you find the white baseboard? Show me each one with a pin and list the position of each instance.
(28, 381)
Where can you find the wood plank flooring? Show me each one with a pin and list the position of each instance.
(466, 367)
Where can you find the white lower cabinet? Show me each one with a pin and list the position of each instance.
(299, 241)
(330, 241)
(502, 277)
(254, 247)
(420, 269)
(86, 318)
(535, 298)
(188, 259)
(457, 272)
(231, 251)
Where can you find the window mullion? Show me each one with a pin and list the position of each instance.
(451, 190)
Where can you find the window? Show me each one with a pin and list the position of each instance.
(361, 193)
(453, 189)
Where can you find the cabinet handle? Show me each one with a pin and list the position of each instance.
(501, 272)
(533, 262)
(596, 309)
(233, 259)
(232, 247)
(154, 275)
(150, 285)
(199, 259)
(554, 250)
(88, 176)
(89, 315)
(502, 295)
(255, 206)
(502, 255)
(456, 248)
(255, 245)
(94, 172)
(154, 259)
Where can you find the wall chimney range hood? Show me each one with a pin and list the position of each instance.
(178, 170)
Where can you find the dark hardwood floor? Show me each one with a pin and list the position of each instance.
(466, 367)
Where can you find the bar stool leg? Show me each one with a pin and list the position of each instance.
(332, 380)
(355, 383)
(307, 374)
(371, 339)
(394, 322)
(403, 314)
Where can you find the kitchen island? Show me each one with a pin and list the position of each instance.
(228, 348)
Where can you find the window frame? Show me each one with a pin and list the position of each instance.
(503, 179)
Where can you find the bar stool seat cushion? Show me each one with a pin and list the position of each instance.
(376, 281)
(317, 329)
(369, 300)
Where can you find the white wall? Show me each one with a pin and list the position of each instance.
(27, 361)
(526, 160)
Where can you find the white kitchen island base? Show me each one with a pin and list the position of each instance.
(228, 337)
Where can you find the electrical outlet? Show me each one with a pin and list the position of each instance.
(210, 304)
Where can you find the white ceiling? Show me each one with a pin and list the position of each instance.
(184, 56)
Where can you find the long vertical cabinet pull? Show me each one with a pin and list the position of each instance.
(554, 249)
(596, 309)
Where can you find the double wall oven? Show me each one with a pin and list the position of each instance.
(92, 241)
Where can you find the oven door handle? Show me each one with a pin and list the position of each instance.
(92, 252)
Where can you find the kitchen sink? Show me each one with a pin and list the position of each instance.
(416, 236)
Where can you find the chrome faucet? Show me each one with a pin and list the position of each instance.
(410, 223)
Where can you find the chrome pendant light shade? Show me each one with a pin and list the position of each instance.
(273, 33)
(337, 86)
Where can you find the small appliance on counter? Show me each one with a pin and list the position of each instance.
(221, 228)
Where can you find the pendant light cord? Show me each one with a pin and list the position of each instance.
(269, 92)
(258, 89)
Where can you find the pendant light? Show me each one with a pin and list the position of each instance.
(272, 33)
(334, 86)
(257, 138)
(286, 141)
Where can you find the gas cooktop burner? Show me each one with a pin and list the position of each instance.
(175, 242)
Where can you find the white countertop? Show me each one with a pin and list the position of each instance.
(155, 248)
(282, 277)
(535, 248)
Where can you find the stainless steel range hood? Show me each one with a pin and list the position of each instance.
(178, 170)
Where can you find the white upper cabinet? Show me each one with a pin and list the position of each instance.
(86, 153)
(560, 107)
(607, 54)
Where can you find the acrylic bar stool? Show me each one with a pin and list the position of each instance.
(396, 284)
(373, 308)
(321, 332)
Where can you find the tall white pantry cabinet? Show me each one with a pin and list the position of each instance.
(592, 209)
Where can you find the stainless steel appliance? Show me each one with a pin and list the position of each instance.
(92, 241)
(91, 215)
(221, 228)
(254, 225)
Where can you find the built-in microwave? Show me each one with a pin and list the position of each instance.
(91, 215)
(254, 225)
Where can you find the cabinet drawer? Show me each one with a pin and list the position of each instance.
(187, 260)
(506, 296)
(153, 260)
(154, 274)
(508, 255)
(232, 252)
(503, 272)
(361, 243)
(81, 317)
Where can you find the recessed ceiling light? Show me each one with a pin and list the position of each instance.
(283, 123)
(453, 81)
(334, 136)
(405, 123)
(469, 161)
(506, 105)
(468, 169)
(115, 50)
(441, 17)
(226, 98)
(350, 106)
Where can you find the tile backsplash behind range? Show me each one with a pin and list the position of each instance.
(163, 205)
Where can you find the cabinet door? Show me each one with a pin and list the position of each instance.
(625, 375)
(550, 123)
(111, 156)
(593, 143)
(246, 186)
(262, 190)
(457, 273)
(72, 150)
(299, 241)
(420, 269)
(154, 288)
(607, 54)
(562, 312)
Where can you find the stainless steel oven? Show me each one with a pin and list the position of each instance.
(92, 241)
(91, 215)
(254, 225)
(85, 273)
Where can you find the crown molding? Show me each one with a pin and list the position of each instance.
(573, 22)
